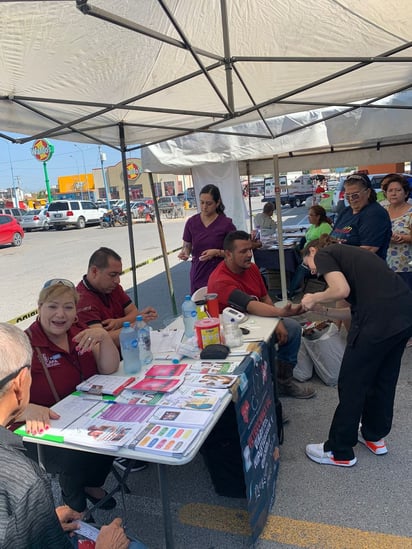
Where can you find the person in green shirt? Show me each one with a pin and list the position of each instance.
(319, 224)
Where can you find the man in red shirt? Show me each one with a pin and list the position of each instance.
(239, 284)
(103, 302)
(102, 299)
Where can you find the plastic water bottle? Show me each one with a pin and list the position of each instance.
(143, 340)
(189, 313)
(232, 333)
(130, 350)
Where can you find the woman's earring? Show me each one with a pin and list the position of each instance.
(76, 319)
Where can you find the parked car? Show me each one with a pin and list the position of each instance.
(140, 210)
(35, 219)
(78, 213)
(10, 230)
(17, 213)
(171, 206)
(186, 196)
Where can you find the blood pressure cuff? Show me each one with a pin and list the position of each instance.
(240, 300)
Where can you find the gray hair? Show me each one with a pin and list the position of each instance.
(15, 352)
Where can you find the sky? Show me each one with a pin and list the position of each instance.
(69, 158)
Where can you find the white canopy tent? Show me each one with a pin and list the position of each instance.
(161, 69)
(217, 80)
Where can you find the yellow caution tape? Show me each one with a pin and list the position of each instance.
(33, 313)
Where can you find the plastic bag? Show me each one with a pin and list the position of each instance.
(326, 353)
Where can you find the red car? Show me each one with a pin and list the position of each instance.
(10, 231)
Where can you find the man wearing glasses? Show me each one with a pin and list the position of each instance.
(364, 222)
(27, 514)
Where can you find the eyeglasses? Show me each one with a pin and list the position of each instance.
(13, 375)
(354, 196)
(57, 281)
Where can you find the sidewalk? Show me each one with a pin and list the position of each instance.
(367, 506)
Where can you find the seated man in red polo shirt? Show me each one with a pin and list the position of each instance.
(238, 283)
(102, 300)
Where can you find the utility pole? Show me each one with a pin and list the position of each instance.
(84, 168)
(106, 188)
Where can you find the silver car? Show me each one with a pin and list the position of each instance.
(35, 219)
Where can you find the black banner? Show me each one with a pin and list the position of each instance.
(256, 418)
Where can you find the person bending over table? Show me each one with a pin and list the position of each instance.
(381, 324)
(64, 355)
(28, 518)
(103, 302)
(203, 236)
(239, 284)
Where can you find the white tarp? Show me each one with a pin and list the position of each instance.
(66, 75)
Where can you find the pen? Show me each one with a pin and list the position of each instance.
(124, 385)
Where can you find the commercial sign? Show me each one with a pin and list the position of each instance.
(133, 171)
(42, 150)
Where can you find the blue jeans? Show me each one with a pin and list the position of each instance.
(289, 352)
(297, 279)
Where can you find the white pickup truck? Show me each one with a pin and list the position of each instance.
(293, 194)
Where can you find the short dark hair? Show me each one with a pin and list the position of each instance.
(100, 258)
(229, 241)
(396, 178)
(215, 194)
(269, 208)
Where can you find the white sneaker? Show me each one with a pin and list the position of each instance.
(378, 448)
(315, 452)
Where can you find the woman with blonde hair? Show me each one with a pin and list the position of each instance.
(64, 354)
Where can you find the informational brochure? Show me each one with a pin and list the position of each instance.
(166, 370)
(182, 418)
(128, 396)
(205, 367)
(158, 384)
(105, 384)
(194, 398)
(217, 381)
(164, 439)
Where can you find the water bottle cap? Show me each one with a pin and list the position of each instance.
(126, 324)
(188, 298)
(139, 318)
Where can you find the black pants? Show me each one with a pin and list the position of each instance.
(75, 469)
(366, 387)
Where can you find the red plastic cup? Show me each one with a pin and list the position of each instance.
(212, 305)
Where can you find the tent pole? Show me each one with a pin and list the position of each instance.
(163, 245)
(249, 197)
(128, 211)
(279, 229)
(228, 63)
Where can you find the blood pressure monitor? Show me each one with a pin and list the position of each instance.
(237, 316)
